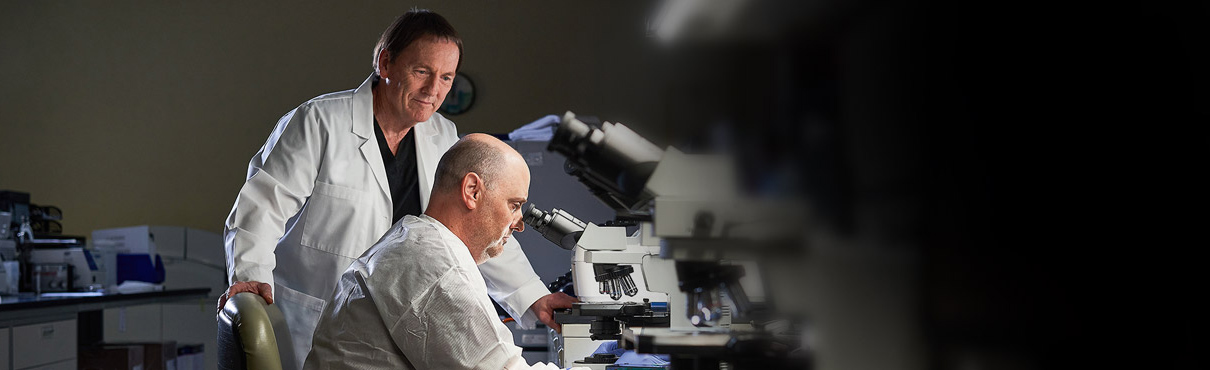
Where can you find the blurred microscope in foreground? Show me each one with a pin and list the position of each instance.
(696, 261)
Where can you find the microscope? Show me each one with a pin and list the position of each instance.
(698, 246)
(608, 278)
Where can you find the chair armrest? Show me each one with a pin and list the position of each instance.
(246, 334)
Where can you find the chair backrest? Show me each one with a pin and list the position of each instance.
(248, 334)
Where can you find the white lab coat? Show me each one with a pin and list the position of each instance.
(415, 300)
(317, 197)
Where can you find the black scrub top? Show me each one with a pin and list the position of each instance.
(401, 174)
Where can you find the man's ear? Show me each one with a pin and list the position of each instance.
(384, 61)
(472, 190)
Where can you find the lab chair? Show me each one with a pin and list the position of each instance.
(249, 333)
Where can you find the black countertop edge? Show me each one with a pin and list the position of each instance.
(28, 302)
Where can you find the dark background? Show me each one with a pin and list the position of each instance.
(1041, 160)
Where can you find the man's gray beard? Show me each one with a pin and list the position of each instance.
(498, 245)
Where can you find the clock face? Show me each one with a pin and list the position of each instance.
(460, 97)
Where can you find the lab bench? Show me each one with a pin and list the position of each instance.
(44, 332)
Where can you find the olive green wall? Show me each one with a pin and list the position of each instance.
(141, 112)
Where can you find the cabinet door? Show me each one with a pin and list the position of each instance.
(44, 344)
(133, 324)
(192, 323)
(4, 353)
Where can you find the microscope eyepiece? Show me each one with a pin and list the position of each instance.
(557, 226)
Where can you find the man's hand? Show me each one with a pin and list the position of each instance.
(256, 287)
(545, 308)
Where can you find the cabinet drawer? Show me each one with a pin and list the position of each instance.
(44, 343)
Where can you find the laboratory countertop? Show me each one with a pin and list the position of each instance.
(24, 304)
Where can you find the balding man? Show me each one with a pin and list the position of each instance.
(415, 300)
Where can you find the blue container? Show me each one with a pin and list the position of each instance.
(138, 267)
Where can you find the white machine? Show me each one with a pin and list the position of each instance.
(192, 258)
(81, 276)
(709, 242)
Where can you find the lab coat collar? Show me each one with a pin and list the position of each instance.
(363, 109)
(362, 114)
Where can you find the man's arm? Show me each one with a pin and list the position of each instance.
(544, 308)
(280, 178)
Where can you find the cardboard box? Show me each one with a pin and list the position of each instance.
(159, 356)
(110, 357)
(156, 355)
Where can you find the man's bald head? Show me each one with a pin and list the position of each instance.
(480, 187)
(482, 154)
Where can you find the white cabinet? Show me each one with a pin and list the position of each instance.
(192, 323)
(43, 335)
(44, 344)
(187, 322)
(133, 324)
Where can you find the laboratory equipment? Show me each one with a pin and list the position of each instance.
(607, 277)
(711, 242)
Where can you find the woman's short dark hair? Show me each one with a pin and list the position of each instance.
(411, 26)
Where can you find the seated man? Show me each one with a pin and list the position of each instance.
(415, 300)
